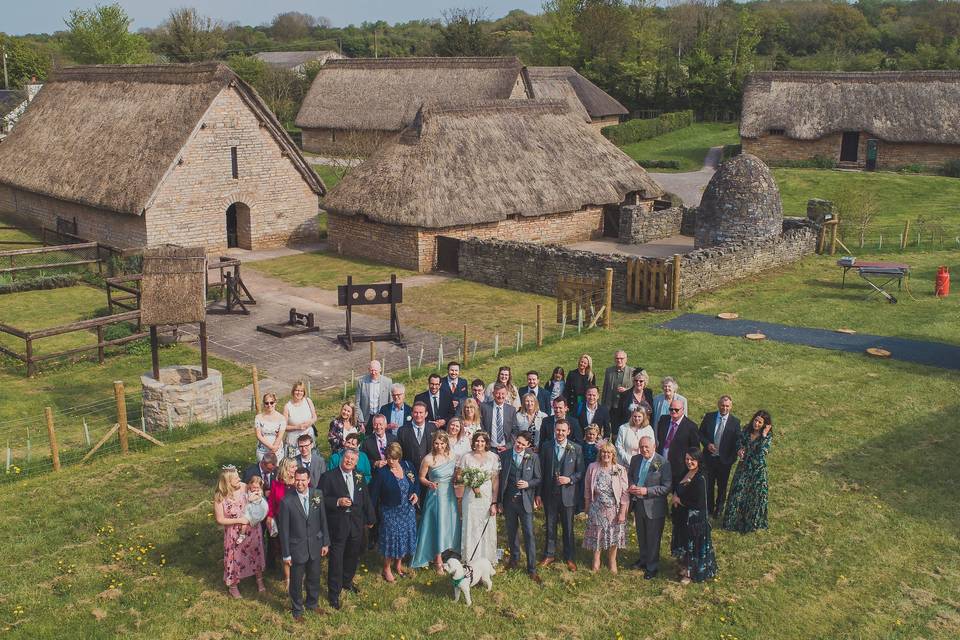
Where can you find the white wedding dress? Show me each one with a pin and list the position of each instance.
(476, 513)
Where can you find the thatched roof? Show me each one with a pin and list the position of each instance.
(293, 59)
(106, 135)
(174, 285)
(564, 83)
(385, 93)
(482, 162)
(909, 106)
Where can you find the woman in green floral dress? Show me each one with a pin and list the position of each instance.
(747, 505)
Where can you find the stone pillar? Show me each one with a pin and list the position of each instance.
(180, 397)
(819, 210)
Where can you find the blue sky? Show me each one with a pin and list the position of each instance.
(46, 16)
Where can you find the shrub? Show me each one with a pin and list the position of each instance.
(643, 129)
(659, 164)
(951, 168)
(816, 162)
(56, 281)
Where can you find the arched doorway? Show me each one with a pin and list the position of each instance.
(238, 226)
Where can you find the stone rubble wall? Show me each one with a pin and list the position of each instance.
(177, 405)
(639, 224)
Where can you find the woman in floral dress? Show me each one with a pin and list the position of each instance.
(747, 504)
(242, 557)
(394, 495)
(607, 502)
(691, 543)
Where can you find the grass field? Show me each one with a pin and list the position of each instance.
(688, 146)
(325, 270)
(862, 542)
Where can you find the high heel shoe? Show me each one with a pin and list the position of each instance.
(388, 577)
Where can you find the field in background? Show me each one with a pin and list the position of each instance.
(688, 146)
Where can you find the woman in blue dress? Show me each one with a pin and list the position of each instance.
(440, 522)
(394, 494)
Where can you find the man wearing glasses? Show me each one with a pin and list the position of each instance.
(309, 459)
(676, 433)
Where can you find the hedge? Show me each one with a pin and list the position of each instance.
(659, 164)
(56, 281)
(637, 130)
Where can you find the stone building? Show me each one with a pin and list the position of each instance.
(741, 202)
(355, 105)
(585, 98)
(525, 170)
(858, 120)
(151, 154)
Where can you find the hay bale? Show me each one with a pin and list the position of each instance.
(174, 286)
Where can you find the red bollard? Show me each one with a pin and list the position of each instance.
(942, 285)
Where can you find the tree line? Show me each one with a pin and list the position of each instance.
(691, 54)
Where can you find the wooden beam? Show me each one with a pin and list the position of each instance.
(52, 435)
(100, 443)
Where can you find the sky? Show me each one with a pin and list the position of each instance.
(18, 17)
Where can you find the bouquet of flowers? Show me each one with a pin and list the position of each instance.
(473, 478)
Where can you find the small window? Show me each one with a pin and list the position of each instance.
(777, 132)
(233, 162)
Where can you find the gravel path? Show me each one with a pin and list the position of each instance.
(690, 185)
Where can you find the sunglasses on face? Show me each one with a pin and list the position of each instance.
(270, 402)
(675, 410)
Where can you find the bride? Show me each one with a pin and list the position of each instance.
(479, 529)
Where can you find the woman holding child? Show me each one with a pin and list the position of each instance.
(242, 552)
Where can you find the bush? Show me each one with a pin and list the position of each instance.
(659, 164)
(638, 129)
(57, 281)
(816, 162)
(951, 168)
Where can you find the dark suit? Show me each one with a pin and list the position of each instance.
(559, 501)
(650, 512)
(601, 418)
(543, 398)
(369, 447)
(717, 466)
(347, 526)
(685, 438)
(517, 504)
(317, 467)
(413, 451)
(610, 397)
(387, 409)
(487, 413)
(302, 537)
(460, 393)
(444, 404)
(546, 428)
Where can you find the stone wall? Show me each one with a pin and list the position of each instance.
(640, 223)
(416, 249)
(180, 397)
(890, 155)
(345, 143)
(713, 267)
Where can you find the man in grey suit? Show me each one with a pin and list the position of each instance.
(498, 418)
(561, 462)
(304, 539)
(373, 391)
(310, 459)
(519, 481)
(650, 482)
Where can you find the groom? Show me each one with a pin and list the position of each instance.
(304, 539)
(519, 480)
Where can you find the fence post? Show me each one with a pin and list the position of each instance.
(835, 223)
(675, 288)
(608, 298)
(256, 389)
(539, 325)
(100, 344)
(465, 357)
(906, 234)
(31, 367)
(121, 414)
(52, 435)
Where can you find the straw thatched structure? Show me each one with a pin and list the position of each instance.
(174, 286)
(152, 154)
(896, 118)
(585, 98)
(296, 61)
(519, 169)
(354, 106)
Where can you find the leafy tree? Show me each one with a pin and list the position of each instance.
(292, 25)
(102, 36)
(556, 39)
(464, 34)
(249, 68)
(25, 60)
(187, 36)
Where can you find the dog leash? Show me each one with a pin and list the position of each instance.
(480, 540)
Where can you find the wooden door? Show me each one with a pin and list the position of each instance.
(849, 146)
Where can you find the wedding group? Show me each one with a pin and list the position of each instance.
(441, 476)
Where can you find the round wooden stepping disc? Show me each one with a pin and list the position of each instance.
(847, 331)
(728, 316)
(755, 336)
(877, 352)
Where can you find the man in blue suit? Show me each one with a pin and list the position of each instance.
(397, 412)
(439, 407)
(533, 386)
(454, 387)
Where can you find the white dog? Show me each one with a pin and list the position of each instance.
(466, 576)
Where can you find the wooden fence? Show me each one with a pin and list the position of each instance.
(583, 299)
(654, 282)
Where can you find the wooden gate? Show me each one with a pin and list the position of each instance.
(576, 294)
(654, 282)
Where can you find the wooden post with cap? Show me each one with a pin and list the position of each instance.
(52, 435)
(118, 392)
(608, 298)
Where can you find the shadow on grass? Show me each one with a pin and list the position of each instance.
(912, 469)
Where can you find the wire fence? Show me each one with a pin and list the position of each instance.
(912, 236)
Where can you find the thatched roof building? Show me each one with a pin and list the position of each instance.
(524, 169)
(585, 98)
(148, 154)
(297, 60)
(858, 118)
(354, 105)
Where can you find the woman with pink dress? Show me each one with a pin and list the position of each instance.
(242, 555)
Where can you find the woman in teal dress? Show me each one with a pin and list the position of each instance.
(440, 523)
(747, 504)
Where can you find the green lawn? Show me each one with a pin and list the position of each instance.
(862, 544)
(808, 294)
(14, 238)
(328, 174)
(900, 196)
(325, 270)
(688, 146)
(34, 310)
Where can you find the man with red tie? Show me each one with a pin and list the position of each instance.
(676, 433)
(454, 387)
